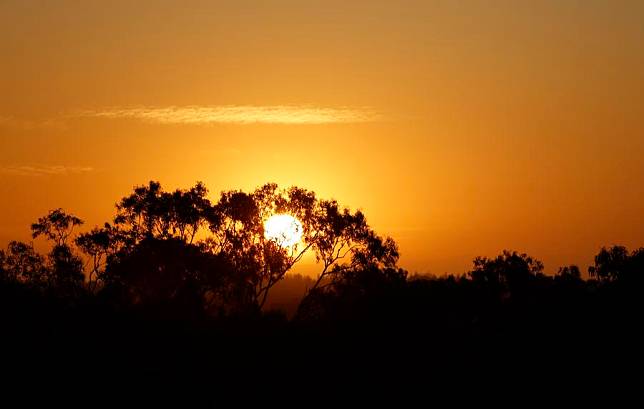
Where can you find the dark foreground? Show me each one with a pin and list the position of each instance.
(423, 340)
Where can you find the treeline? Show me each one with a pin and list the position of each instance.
(179, 252)
(177, 284)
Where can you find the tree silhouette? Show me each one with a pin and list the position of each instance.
(338, 234)
(340, 239)
(150, 212)
(56, 226)
(172, 275)
(21, 263)
(237, 225)
(101, 245)
(66, 274)
(65, 269)
(187, 211)
(617, 265)
(510, 272)
(569, 274)
(181, 254)
(359, 294)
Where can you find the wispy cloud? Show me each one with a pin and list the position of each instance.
(21, 124)
(43, 170)
(240, 114)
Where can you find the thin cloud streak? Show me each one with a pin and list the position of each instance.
(43, 170)
(21, 124)
(240, 114)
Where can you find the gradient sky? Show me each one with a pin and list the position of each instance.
(459, 127)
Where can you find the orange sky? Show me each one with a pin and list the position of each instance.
(460, 128)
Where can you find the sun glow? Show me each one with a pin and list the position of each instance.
(284, 229)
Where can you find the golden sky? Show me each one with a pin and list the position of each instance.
(460, 127)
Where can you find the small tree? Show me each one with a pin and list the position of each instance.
(150, 212)
(57, 226)
(610, 264)
(188, 210)
(65, 273)
(139, 213)
(510, 271)
(568, 274)
(21, 263)
(617, 264)
(101, 245)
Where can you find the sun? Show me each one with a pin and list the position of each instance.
(284, 229)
